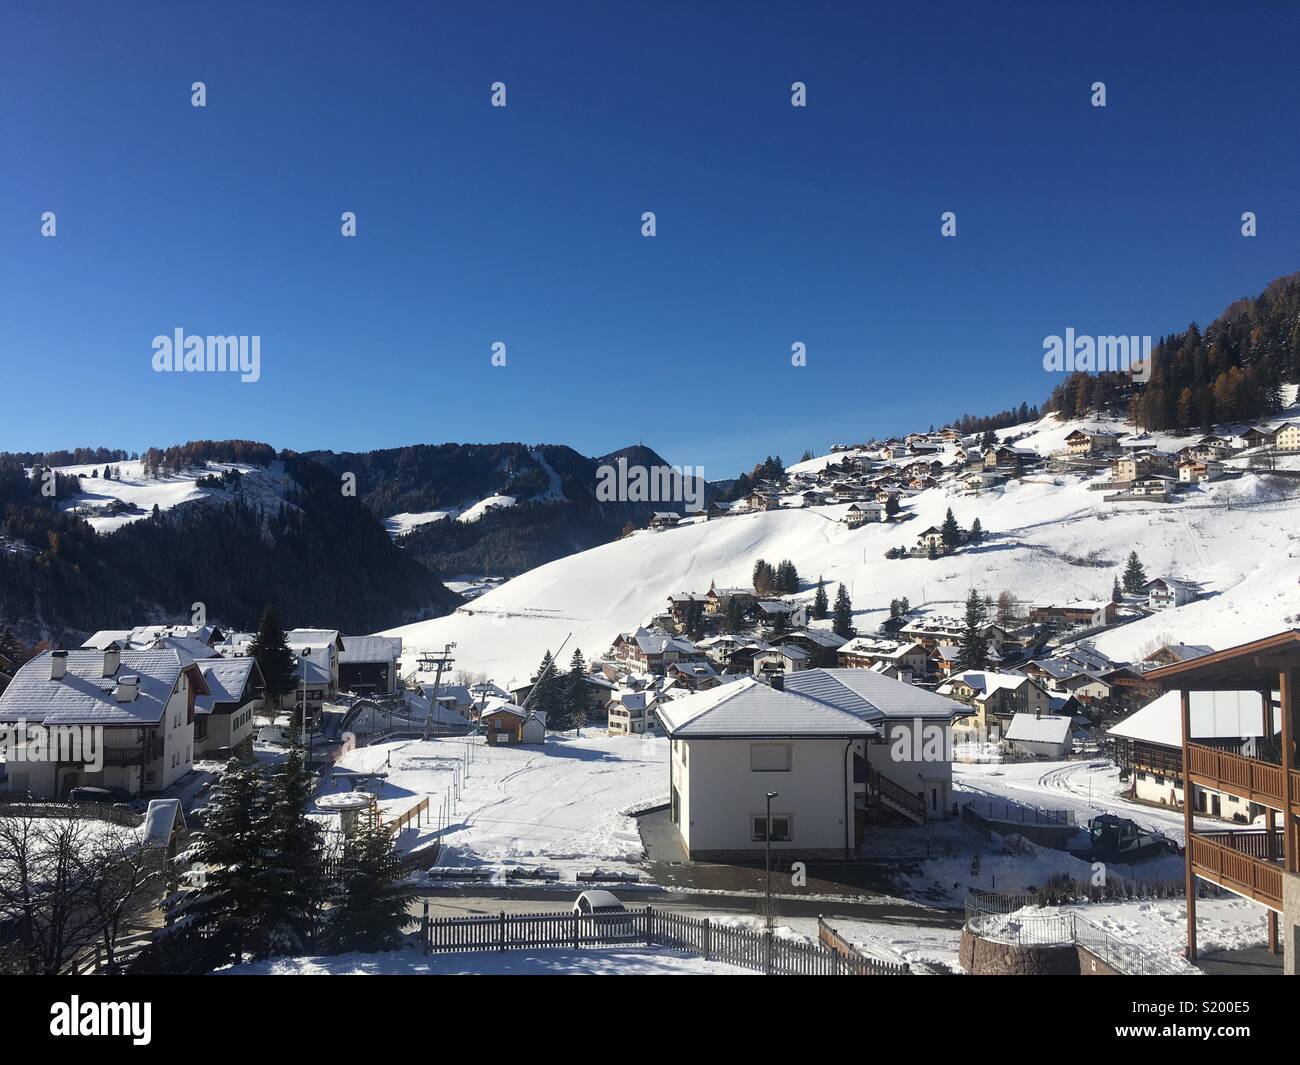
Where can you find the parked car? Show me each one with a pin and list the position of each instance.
(107, 796)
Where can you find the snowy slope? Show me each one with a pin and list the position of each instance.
(97, 493)
(1049, 539)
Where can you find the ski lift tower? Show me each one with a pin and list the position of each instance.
(436, 662)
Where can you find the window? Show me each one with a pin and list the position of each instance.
(769, 757)
(780, 828)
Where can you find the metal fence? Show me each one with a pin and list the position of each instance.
(1015, 813)
(760, 950)
(1000, 919)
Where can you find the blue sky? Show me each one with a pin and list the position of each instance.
(522, 224)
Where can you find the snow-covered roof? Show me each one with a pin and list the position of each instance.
(161, 819)
(1031, 728)
(226, 679)
(747, 708)
(1214, 715)
(83, 696)
(872, 697)
(984, 681)
(358, 649)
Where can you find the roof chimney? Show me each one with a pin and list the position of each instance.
(112, 659)
(127, 689)
(58, 664)
(778, 682)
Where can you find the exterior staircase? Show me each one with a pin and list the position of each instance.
(899, 799)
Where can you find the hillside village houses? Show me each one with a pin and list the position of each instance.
(1149, 749)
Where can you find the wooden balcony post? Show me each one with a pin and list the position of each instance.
(1286, 688)
(1188, 803)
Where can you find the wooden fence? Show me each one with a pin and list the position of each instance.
(120, 814)
(744, 947)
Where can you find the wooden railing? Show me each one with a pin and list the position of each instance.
(1254, 844)
(404, 819)
(748, 948)
(895, 793)
(1245, 777)
(1256, 879)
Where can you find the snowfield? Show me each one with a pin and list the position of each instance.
(260, 485)
(1049, 539)
(563, 804)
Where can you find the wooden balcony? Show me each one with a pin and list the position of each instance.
(1260, 782)
(1240, 872)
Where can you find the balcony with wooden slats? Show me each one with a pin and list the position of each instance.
(1238, 871)
(1247, 778)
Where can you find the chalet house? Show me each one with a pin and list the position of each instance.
(1088, 687)
(1082, 442)
(119, 719)
(1165, 592)
(716, 600)
(654, 651)
(664, 519)
(928, 540)
(763, 501)
(1287, 437)
(1130, 467)
(147, 637)
(1040, 736)
(224, 717)
(631, 713)
(694, 676)
(1257, 437)
(1208, 448)
(946, 659)
(1149, 748)
(1082, 612)
(685, 605)
(860, 513)
(1006, 458)
(1078, 658)
(1195, 471)
(317, 667)
(996, 698)
(821, 644)
(864, 652)
(784, 659)
(741, 660)
(796, 614)
(934, 629)
(1174, 653)
(717, 509)
(368, 665)
(813, 497)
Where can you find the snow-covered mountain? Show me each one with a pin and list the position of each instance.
(1049, 538)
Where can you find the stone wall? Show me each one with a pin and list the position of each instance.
(984, 957)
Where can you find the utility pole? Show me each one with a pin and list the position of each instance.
(440, 662)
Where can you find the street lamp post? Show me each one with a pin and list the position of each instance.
(767, 858)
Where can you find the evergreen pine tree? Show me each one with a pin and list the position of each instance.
(842, 623)
(950, 531)
(1116, 592)
(735, 616)
(274, 658)
(1134, 575)
(575, 691)
(973, 650)
(292, 858)
(821, 604)
(547, 696)
(976, 531)
(371, 909)
(219, 916)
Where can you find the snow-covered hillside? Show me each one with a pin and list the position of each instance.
(129, 496)
(1049, 539)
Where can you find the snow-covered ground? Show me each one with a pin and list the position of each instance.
(132, 487)
(1087, 788)
(1049, 539)
(607, 961)
(563, 804)
(401, 524)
